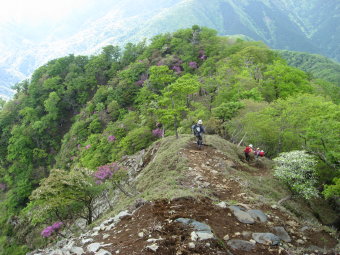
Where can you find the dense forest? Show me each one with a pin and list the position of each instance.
(317, 65)
(77, 114)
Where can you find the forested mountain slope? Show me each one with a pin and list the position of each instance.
(319, 66)
(67, 128)
(310, 26)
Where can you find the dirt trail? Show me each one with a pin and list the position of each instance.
(207, 169)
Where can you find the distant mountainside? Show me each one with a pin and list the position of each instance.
(319, 66)
(311, 26)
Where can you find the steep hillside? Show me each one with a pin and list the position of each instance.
(209, 201)
(310, 26)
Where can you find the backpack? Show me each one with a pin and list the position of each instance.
(261, 153)
(197, 130)
(247, 149)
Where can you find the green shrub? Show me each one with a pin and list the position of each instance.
(136, 140)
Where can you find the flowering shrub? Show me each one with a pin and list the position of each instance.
(142, 79)
(111, 138)
(2, 186)
(193, 65)
(177, 69)
(158, 132)
(48, 231)
(88, 146)
(202, 55)
(105, 172)
(297, 170)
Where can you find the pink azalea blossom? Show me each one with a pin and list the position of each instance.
(158, 132)
(193, 65)
(48, 231)
(111, 138)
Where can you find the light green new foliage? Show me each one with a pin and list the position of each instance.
(64, 192)
(297, 170)
(175, 100)
(332, 190)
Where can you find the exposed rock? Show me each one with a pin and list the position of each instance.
(194, 236)
(151, 240)
(121, 215)
(201, 227)
(57, 252)
(141, 234)
(154, 247)
(222, 204)
(191, 245)
(303, 229)
(95, 233)
(273, 206)
(77, 250)
(204, 236)
(246, 234)
(226, 238)
(300, 241)
(85, 241)
(103, 252)
(240, 245)
(242, 216)
(282, 233)
(106, 236)
(266, 238)
(258, 215)
(93, 247)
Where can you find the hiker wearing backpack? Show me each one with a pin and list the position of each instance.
(261, 153)
(198, 131)
(247, 151)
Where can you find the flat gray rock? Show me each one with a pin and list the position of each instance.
(77, 250)
(243, 217)
(198, 226)
(240, 245)
(202, 230)
(234, 208)
(258, 215)
(93, 247)
(103, 252)
(282, 233)
(266, 238)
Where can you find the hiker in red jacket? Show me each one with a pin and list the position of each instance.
(247, 151)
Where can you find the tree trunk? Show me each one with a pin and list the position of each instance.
(242, 139)
(89, 215)
(175, 118)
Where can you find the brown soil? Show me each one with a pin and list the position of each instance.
(156, 219)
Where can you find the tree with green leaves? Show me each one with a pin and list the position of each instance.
(174, 100)
(64, 192)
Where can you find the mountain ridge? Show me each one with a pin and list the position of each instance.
(282, 24)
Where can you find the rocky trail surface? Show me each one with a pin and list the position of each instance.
(225, 221)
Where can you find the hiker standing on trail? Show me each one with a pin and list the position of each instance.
(198, 131)
(247, 151)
